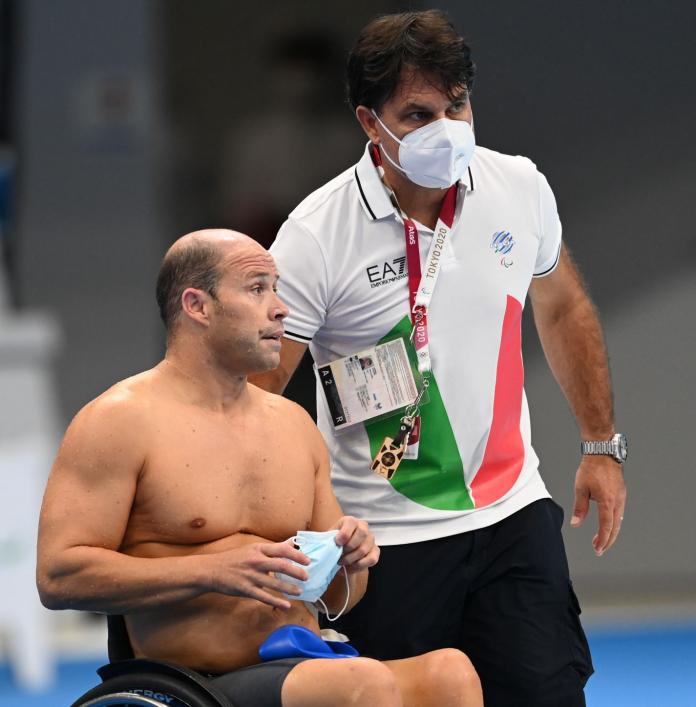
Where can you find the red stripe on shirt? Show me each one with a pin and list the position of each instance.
(504, 455)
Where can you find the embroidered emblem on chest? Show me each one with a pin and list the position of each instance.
(501, 244)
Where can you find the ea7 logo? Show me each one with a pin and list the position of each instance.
(502, 242)
(386, 272)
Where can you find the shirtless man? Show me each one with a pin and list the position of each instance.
(174, 493)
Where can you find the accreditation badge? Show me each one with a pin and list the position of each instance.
(376, 382)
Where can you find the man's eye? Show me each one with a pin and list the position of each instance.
(418, 116)
(458, 106)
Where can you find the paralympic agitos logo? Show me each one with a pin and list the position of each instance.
(389, 271)
(502, 243)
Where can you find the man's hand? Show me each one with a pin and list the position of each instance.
(250, 571)
(600, 478)
(359, 548)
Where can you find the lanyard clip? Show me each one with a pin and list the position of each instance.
(412, 410)
(418, 313)
(422, 298)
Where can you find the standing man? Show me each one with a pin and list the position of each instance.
(437, 242)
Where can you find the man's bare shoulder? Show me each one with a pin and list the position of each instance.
(291, 424)
(276, 404)
(281, 409)
(125, 403)
(109, 434)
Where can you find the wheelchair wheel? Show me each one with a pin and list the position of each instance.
(121, 699)
(150, 689)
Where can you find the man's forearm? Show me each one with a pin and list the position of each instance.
(574, 346)
(105, 581)
(335, 595)
(572, 338)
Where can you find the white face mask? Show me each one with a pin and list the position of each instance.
(436, 155)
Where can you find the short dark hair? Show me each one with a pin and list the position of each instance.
(191, 265)
(425, 41)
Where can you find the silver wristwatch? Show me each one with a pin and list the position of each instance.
(616, 447)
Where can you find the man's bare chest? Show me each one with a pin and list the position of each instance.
(201, 483)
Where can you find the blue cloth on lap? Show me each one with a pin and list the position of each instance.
(292, 641)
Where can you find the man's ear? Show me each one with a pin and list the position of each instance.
(368, 122)
(196, 304)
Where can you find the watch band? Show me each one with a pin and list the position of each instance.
(597, 447)
(615, 447)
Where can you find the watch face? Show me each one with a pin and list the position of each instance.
(622, 447)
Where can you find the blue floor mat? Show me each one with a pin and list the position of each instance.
(72, 680)
(643, 667)
(635, 667)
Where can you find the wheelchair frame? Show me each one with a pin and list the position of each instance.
(127, 680)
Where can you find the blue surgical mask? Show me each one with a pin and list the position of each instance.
(324, 554)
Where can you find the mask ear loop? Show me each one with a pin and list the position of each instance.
(391, 134)
(384, 152)
(345, 605)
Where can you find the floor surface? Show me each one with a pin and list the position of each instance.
(650, 666)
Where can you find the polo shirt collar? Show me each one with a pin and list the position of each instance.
(373, 196)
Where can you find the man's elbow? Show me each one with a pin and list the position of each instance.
(52, 588)
(49, 592)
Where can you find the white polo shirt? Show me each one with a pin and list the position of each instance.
(342, 262)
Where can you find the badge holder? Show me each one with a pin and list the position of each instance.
(392, 451)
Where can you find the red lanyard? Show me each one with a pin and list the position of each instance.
(421, 286)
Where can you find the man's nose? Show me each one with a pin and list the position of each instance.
(280, 310)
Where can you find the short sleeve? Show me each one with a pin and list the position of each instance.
(303, 280)
(549, 230)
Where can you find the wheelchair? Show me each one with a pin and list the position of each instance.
(134, 682)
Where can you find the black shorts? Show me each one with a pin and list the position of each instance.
(258, 685)
(501, 594)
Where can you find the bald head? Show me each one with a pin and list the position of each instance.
(196, 260)
(222, 239)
